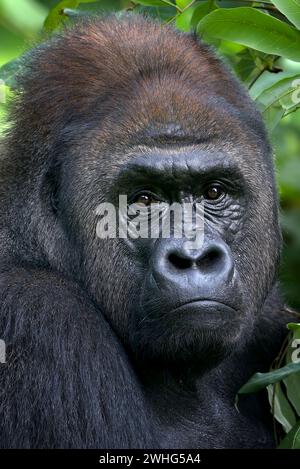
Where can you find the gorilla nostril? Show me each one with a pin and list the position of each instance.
(180, 262)
(209, 259)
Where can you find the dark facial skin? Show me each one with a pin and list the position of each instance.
(187, 294)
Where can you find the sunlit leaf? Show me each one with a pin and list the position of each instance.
(202, 10)
(294, 326)
(183, 20)
(291, 9)
(57, 16)
(252, 28)
(182, 4)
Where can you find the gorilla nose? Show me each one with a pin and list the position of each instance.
(211, 264)
(212, 259)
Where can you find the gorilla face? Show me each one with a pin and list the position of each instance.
(166, 301)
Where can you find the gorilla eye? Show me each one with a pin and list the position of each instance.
(214, 192)
(144, 198)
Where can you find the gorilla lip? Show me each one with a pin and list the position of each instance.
(205, 303)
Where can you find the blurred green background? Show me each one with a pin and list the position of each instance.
(20, 24)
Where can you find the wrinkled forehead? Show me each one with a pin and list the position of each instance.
(208, 128)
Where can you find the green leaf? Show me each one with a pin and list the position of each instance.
(5, 95)
(183, 20)
(268, 79)
(183, 3)
(282, 410)
(292, 439)
(57, 16)
(202, 10)
(242, 59)
(284, 94)
(294, 326)
(275, 95)
(262, 380)
(287, 88)
(252, 28)
(272, 116)
(291, 9)
(154, 3)
(292, 382)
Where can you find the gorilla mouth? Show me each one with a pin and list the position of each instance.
(205, 305)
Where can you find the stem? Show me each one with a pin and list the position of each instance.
(171, 19)
(258, 76)
(273, 414)
(188, 6)
(294, 109)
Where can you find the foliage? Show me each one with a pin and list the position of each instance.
(261, 42)
(283, 386)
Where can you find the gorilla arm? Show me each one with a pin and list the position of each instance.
(67, 381)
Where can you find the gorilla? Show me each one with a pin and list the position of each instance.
(119, 342)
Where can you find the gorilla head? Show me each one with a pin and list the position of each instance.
(132, 108)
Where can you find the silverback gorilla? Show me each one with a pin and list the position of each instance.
(134, 343)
